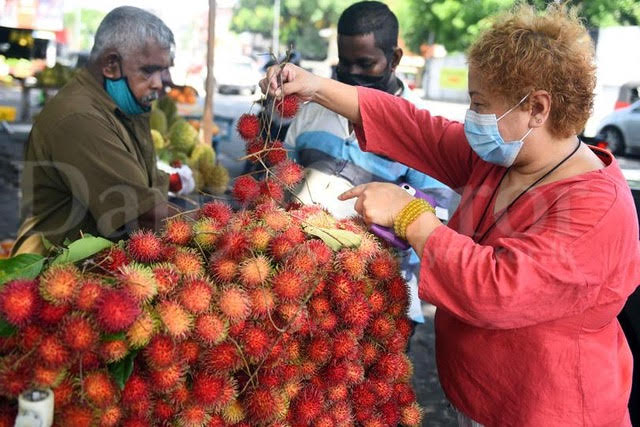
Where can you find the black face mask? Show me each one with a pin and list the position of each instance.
(382, 82)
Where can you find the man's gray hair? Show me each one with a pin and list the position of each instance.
(128, 29)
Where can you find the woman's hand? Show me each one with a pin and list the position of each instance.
(290, 80)
(378, 203)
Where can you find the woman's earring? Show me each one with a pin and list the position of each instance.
(538, 120)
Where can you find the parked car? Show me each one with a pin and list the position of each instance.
(621, 129)
(237, 75)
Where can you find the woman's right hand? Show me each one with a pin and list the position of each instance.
(290, 80)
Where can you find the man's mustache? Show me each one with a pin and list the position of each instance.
(149, 98)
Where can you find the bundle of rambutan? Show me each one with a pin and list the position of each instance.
(264, 316)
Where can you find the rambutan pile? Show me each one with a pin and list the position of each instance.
(242, 318)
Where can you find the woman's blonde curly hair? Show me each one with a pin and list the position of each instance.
(525, 51)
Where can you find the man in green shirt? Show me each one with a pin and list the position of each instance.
(90, 162)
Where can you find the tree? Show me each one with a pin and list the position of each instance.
(300, 21)
(456, 23)
(83, 25)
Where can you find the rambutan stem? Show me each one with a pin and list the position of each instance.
(24, 356)
(244, 359)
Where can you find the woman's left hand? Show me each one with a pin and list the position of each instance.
(378, 202)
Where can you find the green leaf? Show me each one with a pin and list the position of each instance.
(114, 337)
(23, 266)
(82, 248)
(6, 328)
(334, 238)
(121, 371)
(46, 243)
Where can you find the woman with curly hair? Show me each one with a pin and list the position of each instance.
(530, 272)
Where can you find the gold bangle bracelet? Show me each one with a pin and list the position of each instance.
(409, 214)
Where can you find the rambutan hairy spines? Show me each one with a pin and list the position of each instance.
(289, 285)
(308, 405)
(319, 349)
(248, 126)
(177, 231)
(323, 253)
(259, 238)
(175, 318)
(19, 301)
(110, 416)
(99, 388)
(288, 173)
(217, 210)
(279, 247)
(223, 268)
(113, 350)
(112, 259)
(48, 377)
(52, 352)
(139, 281)
(245, 189)
(233, 413)
(383, 267)
(255, 271)
(271, 189)
(188, 262)
(382, 327)
(144, 246)
(352, 263)
(116, 310)
(288, 106)
(411, 415)
(213, 391)
(276, 153)
(233, 243)
(169, 377)
(206, 232)
(137, 388)
(88, 294)
(78, 333)
(167, 277)
(257, 342)
(193, 415)
(160, 352)
(263, 301)
(140, 332)
(196, 294)
(345, 344)
(59, 283)
(266, 405)
(211, 328)
(221, 358)
(234, 304)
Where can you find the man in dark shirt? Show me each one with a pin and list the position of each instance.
(90, 162)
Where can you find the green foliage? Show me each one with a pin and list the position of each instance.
(81, 249)
(334, 238)
(84, 23)
(456, 23)
(121, 371)
(300, 21)
(23, 266)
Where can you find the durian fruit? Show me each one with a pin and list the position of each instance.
(198, 178)
(158, 140)
(201, 156)
(168, 106)
(216, 178)
(182, 136)
(158, 121)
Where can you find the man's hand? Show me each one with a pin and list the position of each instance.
(290, 80)
(378, 203)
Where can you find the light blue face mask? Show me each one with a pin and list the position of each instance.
(120, 92)
(484, 137)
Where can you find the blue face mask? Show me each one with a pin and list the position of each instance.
(484, 137)
(120, 92)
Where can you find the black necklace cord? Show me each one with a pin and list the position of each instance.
(504, 211)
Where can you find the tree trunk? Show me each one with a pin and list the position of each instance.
(207, 117)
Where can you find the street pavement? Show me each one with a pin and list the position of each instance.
(422, 346)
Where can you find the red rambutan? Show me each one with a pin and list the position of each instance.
(217, 210)
(193, 416)
(328, 322)
(369, 352)
(78, 333)
(345, 344)
(167, 278)
(397, 290)
(389, 367)
(259, 238)
(188, 262)
(99, 388)
(135, 389)
(390, 413)
(357, 313)
(276, 219)
(52, 352)
(338, 393)
(88, 294)
(289, 285)
(235, 244)
(114, 350)
(308, 405)
(160, 352)
(323, 253)
(76, 415)
(254, 271)
(212, 390)
(319, 349)
(176, 320)
(189, 350)
(382, 327)
(411, 415)
(377, 301)
(112, 259)
(263, 301)
(196, 294)
(288, 173)
(383, 267)
(352, 263)
(288, 106)
(110, 417)
(404, 394)
(280, 246)
(211, 328)
(276, 153)
(178, 232)
(222, 358)
(342, 289)
(138, 280)
(63, 394)
(30, 337)
(168, 377)
(59, 283)
(51, 314)
(19, 301)
(256, 342)
(248, 126)
(383, 390)
(266, 405)
(163, 411)
(272, 189)
(302, 260)
(234, 304)
(144, 246)
(116, 310)
(223, 268)
(255, 150)
(245, 189)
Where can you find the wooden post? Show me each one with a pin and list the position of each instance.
(207, 117)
